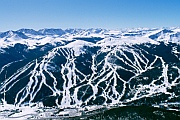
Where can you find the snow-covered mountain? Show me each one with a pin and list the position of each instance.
(13, 34)
(82, 68)
(56, 35)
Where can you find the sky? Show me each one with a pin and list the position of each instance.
(109, 14)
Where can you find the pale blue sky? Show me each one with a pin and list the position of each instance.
(110, 14)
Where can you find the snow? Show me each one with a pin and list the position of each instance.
(176, 29)
(153, 32)
(126, 41)
(111, 36)
(114, 32)
(21, 112)
(77, 46)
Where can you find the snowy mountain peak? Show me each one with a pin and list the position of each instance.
(51, 31)
(15, 34)
(29, 31)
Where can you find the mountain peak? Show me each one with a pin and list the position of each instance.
(29, 31)
(51, 31)
(12, 33)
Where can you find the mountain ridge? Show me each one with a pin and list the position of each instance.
(34, 38)
(91, 67)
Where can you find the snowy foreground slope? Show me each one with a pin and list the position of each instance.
(53, 72)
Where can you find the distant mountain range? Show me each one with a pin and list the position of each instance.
(22, 35)
(81, 68)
